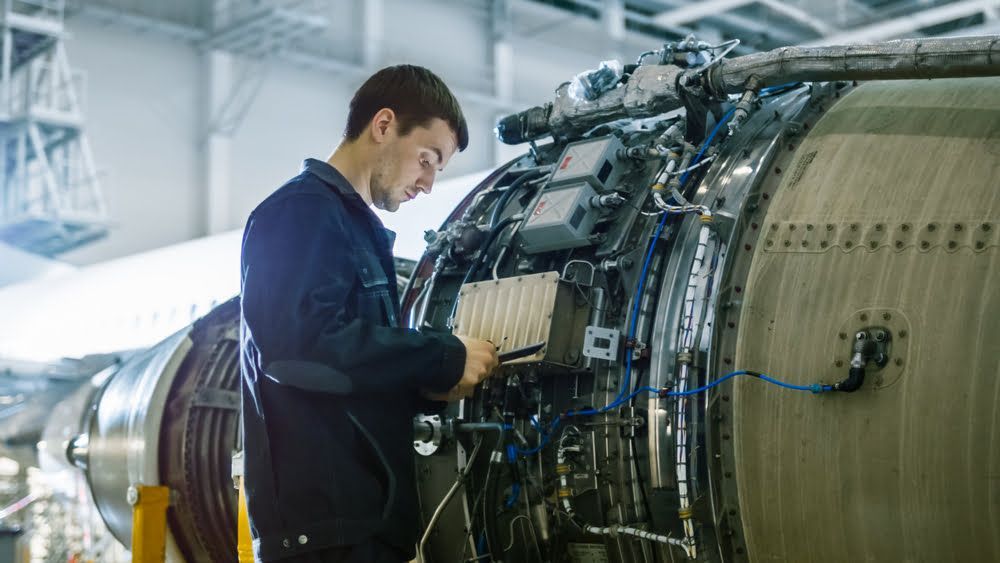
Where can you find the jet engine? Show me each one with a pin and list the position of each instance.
(766, 302)
(769, 324)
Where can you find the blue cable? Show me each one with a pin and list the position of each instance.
(780, 88)
(515, 493)
(481, 545)
(544, 441)
(626, 381)
(814, 388)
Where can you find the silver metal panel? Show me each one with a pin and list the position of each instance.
(594, 161)
(601, 343)
(561, 218)
(125, 430)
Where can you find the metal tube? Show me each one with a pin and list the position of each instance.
(655, 89)
(950, 57)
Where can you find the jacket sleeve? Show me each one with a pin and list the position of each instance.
(298, 283)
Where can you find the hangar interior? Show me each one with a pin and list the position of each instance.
(757, 240)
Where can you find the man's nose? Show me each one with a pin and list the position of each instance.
(426, 183)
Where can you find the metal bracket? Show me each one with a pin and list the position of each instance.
(601, 343)
(428, 434)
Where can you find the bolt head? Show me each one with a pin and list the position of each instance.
(132, 495)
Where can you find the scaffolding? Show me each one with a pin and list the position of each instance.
(50, 197)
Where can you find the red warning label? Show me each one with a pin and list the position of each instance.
(565, 162)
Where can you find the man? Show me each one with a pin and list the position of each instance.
(330, 380)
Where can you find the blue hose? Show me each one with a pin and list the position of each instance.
(626, 381)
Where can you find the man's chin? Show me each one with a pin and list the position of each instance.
(390, 206)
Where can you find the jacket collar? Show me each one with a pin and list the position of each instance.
(339, 184)
(330, 176)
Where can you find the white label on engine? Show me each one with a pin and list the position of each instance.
(587, 553)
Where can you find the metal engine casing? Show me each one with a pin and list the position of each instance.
(835, 208)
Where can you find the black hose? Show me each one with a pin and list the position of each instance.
(490, 524)
(485, 248)
(507, 195)
(855, 379)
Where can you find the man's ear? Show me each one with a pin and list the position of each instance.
(382, 124)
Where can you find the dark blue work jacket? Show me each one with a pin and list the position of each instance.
(330, 380)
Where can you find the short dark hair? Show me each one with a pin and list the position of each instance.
(414, 93)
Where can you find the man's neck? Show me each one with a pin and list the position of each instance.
(352, 164)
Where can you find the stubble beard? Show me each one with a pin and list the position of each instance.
(381, 193)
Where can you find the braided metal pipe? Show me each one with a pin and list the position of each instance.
(656, 89)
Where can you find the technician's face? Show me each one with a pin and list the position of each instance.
(409, 163)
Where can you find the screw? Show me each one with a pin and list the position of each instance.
(985, 227)
(886, 316)
(774, 226)
(777, 170)
(728, 474)
(958, 227)
(931, 227)
(769, 243)
(838, 363)
(980, 245)
(753, 226)
(902, 334)
(829, 226)
(873, 244)
(822, 244)
(791, 227)
(924, 244)
(899, 244)
(809, 227)
(906, 227)
(854, 226)
(805, 244)
(880, 336)
(788, 243)
(848, 244)
(898, 361)
(864, 317)
(843, 335)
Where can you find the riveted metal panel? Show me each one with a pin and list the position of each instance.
(887, 217)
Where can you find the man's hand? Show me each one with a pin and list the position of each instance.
(480, 361)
